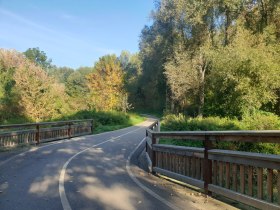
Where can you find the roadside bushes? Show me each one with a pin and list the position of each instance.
(106, 121)
(254, 121)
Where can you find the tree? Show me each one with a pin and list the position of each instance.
(9, 106)
(245, 74)
(182, 41)
(60, 73)
(76, 85)
(106, 84)
(182, 80)
(39, 57)
(131, 64)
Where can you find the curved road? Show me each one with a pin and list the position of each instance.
(90, 172)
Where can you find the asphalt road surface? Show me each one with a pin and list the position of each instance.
(89, 172)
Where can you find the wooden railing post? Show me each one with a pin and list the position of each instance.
(146, 143)
(69, 130)
(207, 165)
(37, 137)
(158, 130)
(153, 153)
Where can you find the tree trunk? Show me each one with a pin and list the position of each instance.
(201, 94)
(227, 23)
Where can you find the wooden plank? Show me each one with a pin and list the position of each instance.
(215, 168)
(171, 162)
(157, 159)
(272, 162)
(278, 187)
(203, 170)
(162, 160)
(242, 179)
(175, 164)
(164, 155)
(153, 155)
(246, 155)
(197, 168)
(250, 180)
(207, 165)
(179, 150)
(179, 177)
(149, 162)
(269, 185)
(193, 167)
(180, 158)
(221, 173)
(259, 204)
(227, 175)
(184, 172)
(16, 133)
(260, 182)
(188, 165)
(243, 136)
(234, 177)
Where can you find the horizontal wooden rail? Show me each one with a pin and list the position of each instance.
(269, 136)
(35, 133)
(247, 177)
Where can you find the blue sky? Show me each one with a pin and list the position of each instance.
(73, 32)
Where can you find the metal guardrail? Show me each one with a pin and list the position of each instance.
(247, 177)
(35, 133)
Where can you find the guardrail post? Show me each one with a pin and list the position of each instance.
(154, 141)
(37, 137)
(207, 174)
(69, 130)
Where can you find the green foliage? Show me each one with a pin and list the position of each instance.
(106, 121)
(211, 57)
(183, 123)
(39, 57)
(106, 85)
(245, 73)
(76, 85)
(60, 74)
(260, 120)
(131, 65)
(254, 121)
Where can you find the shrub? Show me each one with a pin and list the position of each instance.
(255, 121)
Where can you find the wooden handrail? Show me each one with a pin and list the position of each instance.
(268, 136)
(43, 123)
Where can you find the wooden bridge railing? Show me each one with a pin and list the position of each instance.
(247, 177)
(35, 133)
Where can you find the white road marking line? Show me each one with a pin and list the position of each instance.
(149, 191)
(62, 194)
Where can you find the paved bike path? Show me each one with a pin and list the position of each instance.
(90, 172)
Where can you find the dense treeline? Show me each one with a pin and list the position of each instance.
(201, 58)
(32, 89)
(210, 58)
